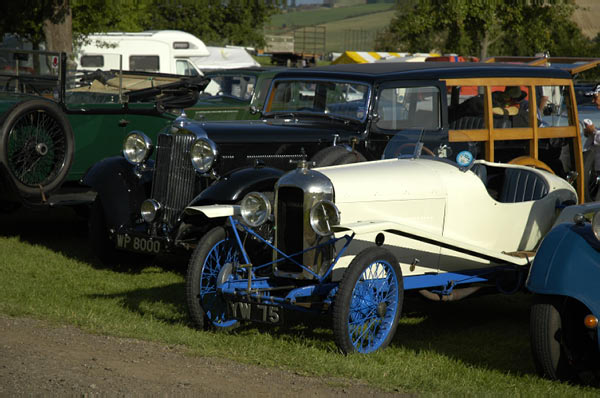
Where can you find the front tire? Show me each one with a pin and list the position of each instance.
(206, 306)
(562, 348)
(368, 303)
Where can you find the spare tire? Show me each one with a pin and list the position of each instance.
(36, 147)
(335, 155)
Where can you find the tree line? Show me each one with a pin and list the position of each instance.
(59, 23)
(486, 28)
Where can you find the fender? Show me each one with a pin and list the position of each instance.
(119, 188)
(568, 264)
(232, 188)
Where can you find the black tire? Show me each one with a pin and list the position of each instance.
(336, 155)
(103, 248)
(545, 331)
(353, 292)
(36, 146)
(562, 348)
(205, 305)
(592, 185)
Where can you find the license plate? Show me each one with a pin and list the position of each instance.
(254, 312)
(138, 244)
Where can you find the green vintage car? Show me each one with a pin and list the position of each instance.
(55, 124)
(233, 94)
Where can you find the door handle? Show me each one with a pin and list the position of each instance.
(123, 122)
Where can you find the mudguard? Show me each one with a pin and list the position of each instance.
(233, 187)
(120, 190)
(568, 264)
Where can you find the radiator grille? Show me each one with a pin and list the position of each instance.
(174, 176)
(290, 216)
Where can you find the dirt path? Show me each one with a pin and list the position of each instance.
(37, 358)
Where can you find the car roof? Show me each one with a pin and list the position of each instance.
(424, 71)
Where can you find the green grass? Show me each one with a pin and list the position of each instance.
(473, 347)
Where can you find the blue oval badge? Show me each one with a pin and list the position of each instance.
(464, 158)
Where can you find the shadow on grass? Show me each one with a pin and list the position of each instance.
(65, 231)
(164, 303)
(490, 331)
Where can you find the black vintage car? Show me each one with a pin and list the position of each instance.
(328, 116)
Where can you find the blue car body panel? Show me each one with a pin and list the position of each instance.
(568, 264)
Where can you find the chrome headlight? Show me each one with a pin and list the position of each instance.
(596, 225)
(137, 147)
(255, 209)
(203, 153)
(149, 210)
(323, 216)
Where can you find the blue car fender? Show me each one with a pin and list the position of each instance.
(567, 263)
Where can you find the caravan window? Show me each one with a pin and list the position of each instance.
(92, 61)
(147, 63)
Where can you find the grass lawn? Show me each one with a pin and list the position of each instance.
(472, 347)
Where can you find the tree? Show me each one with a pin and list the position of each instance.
(483, 27)
(31, 19)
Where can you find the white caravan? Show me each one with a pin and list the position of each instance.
(163, 51)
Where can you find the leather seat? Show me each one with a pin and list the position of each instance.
(522, 185)
(467, 123)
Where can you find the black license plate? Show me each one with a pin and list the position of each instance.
(139, 244)
(254, 312)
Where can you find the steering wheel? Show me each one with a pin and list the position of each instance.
(412, 145)
(529, 161)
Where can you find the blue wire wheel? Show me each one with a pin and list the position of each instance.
(206, 305)
(369, 302)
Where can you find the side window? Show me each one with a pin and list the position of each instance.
(147, 63)
(510, 107)
(553, 111)
(466, 108)
(553, 106)
(409, 107)
(92, 61)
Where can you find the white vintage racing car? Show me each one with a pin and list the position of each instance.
(352, 239)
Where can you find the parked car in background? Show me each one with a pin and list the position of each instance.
(565, 278)
(327, 116)
(232, 94)
(55, 126)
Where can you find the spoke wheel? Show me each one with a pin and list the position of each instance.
(368, 303)
(36, 146)
(206, 306)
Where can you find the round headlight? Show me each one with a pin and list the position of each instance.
(137, 147)
(596, 225)
(255, 209)
(149, 209)
(324, 215)
(203, 154)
